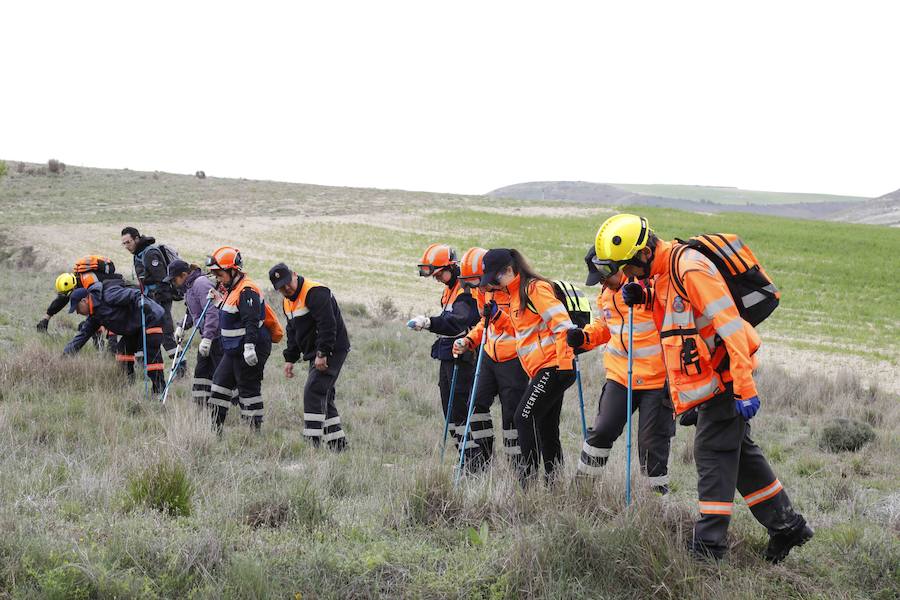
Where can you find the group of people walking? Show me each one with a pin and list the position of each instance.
(675, 337)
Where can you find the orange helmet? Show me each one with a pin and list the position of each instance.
(436, 257)
(226, 257)
(471, 267)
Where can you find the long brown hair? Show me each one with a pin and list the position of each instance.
(526, 274)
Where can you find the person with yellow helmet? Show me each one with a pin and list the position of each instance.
(459, 313)
(87, 271)
(710, 354)
(656, 424)
(246, 340)
(501, 374)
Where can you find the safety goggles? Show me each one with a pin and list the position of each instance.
(470, 282)
(429, 270)
(607, 268)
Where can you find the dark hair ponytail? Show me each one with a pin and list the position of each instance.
(526, 274)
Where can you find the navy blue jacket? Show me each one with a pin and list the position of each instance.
(118, 308)
(454, 321)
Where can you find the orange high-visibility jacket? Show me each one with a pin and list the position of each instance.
(88, 268)
(540, 328)
(701, 331)
(500, 344)
(298, 308)
(611, 328)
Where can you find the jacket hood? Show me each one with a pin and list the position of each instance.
(143, 242)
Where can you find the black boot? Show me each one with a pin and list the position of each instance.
(781, 543)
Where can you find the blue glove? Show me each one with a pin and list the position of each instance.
(490, 310)
(633, 293)
(747, 408)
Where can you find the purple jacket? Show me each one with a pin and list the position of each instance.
(196, 288)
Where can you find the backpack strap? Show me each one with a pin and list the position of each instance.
(674, 275)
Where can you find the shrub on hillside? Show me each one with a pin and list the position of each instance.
(56, 167)
(386, 309)
(163, 486)
(842, 435)
(3, 168)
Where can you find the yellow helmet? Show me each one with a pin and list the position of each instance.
(621, 237)
(65, 283)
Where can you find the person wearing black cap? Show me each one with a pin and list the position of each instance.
(656, 424)
(539, 322)
(315, 333)
(118, 308)
(189, 280)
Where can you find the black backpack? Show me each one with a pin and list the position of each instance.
(751, 288)
(577, 304)
(169, 254)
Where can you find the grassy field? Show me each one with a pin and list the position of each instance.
(82, 457)
(731, 195)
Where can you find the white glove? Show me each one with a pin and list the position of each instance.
(205, 345)
(460, 346)
(250, 354)
(179, 333)
(419, 323)
(211, 294)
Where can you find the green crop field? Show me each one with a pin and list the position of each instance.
(106, 495)
(730, 195)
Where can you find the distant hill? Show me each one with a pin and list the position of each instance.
(685, 197)
(884, 210)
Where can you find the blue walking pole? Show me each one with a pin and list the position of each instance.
(144, 336)
(462, 444)
(580, 399)
(630, 391)
(449, 406)
(184, 352)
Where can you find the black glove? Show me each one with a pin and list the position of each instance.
(42, 325)
(689, 418)
(490, 310)
(633, 293)
(575, 338)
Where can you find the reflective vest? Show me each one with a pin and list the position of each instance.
(500, 344)
(699, 333)
(611, 328)
(448, 297)
(298, 308)
(540, 332)
(230, 325)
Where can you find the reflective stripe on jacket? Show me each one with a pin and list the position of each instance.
(501, 343)
(611, 328)
(540, 331)
(700, 332)
(231, 325)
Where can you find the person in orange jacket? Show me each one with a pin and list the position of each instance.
(539, 322)
(656, 422)
(501, 372)
(710, 355)
(459, 312)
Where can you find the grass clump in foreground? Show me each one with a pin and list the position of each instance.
(163, 486)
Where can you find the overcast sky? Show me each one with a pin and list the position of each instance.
(461, 96)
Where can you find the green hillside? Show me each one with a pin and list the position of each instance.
(730, 195)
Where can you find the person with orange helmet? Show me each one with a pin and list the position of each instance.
(246, 343)
(710, 354)
(459, 312)
(539, 322)
(656, 424)
(501, 375)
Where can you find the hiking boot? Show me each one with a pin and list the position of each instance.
(705, 553)
(781, 543)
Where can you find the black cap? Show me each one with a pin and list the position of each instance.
(76, 297)
(494, 261)
(280, 275)
(594, 277)
(176, 267)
